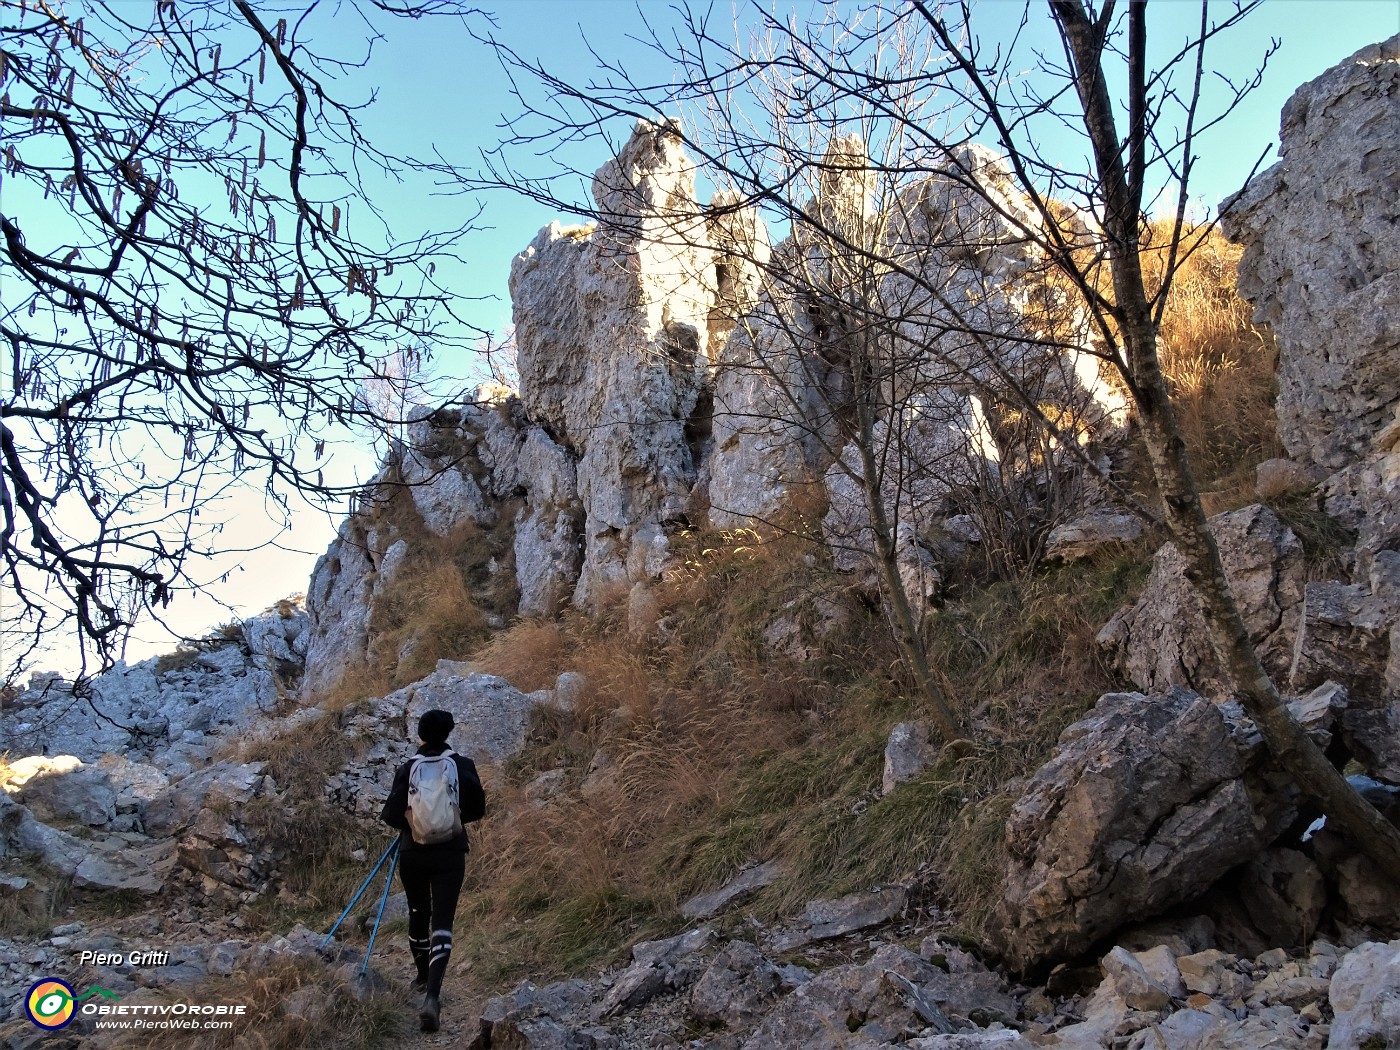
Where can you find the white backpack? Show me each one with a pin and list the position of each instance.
(434, 812)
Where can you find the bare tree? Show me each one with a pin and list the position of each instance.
(917, 82)
(197, 283)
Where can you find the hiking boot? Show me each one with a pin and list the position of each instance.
(428, 1013)
(419, 985)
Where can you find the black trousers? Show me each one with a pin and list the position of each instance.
(432, 882)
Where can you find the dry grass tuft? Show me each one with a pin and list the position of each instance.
(425, 615)
(293, 1004)
(530, 654)
(28, 912)
(314, 837)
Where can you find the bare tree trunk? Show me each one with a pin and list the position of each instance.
(901, 613)
(1290, 746)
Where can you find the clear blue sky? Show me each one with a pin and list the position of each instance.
(442, 88)
(438, 88)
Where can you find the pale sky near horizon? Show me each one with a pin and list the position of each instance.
(436, 86)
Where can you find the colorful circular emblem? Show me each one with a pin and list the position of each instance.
(50, 1003)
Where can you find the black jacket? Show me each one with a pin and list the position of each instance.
(395, 812)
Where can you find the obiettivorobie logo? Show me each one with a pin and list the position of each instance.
(51, 1003)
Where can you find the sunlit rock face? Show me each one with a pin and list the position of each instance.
(447, 493)
(1322, 257)
(937, 289)
(612, 326)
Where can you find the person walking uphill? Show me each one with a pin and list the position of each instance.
(434, 793)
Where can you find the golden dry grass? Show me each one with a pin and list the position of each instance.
(295, 1003)
(528, 655)
(1220, 366)
(694, 754)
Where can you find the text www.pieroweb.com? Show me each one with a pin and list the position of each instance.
(152, 1016)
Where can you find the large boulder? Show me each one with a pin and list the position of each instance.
(212, 817)
(1365, 997)
(225, 785)
(1146, 802)
(1322, 257)
(491, 718)
(1161, 641)
(62, 788)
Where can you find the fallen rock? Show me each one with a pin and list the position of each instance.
(867, 1005)
(825, 919)
(655, 966)
(708, 905)
(1144, 804)
(1132, 983)
(63, 788)
(1094, 532)
(907, 753)
(22, 835)
(181, 803)
(1365, 998)
(529, 1016)
(127, 865)
(735, 987)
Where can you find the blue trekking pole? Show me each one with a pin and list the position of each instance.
(393, 848)
(388, 885)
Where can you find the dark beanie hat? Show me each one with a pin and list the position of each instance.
(434, 726)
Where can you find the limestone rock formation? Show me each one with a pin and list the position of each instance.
(277, 638)
(1161, 641)
(159, 711)
(612, 331)
(1322, 257)
(435, 521)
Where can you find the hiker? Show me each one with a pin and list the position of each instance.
(434, 792)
